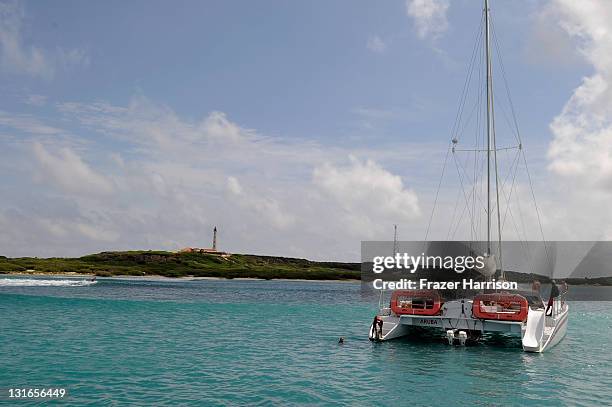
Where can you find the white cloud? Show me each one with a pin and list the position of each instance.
(370, 198)
(376, 44)
(234, 186)
(582, 145)
(580, 155)
(69, 172)
(176, 178)
(429, 17)
(27, 123)
(18, 57)
(15, 56)
(148, 178)
(549, 44)
(260, 204)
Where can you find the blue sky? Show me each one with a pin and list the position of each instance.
(143, 124)
(289, 70)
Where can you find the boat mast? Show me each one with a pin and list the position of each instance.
(394, 240)
(488, 65)
(491, 141)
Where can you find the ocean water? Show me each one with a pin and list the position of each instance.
(213, 342)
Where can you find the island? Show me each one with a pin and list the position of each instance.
(183, 264)
(214, 264)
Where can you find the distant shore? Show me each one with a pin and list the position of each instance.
(198, 265)
(183, 265)
(164, 278)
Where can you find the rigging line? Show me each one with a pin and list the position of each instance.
(512, 166)
(460, 129)
(466, 83)
(458, 116)
(470, 200)
(514, 224)
(499, 232)
(518, 133)
(463, 150)
(468, 80)
(503, 71)
(477, 143)
(484, 161)
(535, 203)
(460, 219)
(511, 126)
(483, 191)
(523, 243)
(505, 181)
(468, 119)
(510, 172)
(457, 165)
(452, 228)
(452, 237)
(450, 225)
(479, 196)
(453, 216)
(522, 219)
(433, 209)
(503, 184)
(464, 174)
(488, 67)
(480, 170)
(475, 220)
(508, 208)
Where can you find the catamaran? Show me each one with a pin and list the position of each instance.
(464, 320)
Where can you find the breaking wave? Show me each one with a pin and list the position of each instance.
(38, 282)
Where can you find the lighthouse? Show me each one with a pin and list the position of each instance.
(214, 245)
(209, 250)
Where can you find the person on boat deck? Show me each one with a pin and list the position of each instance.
(554, 293)
(377, 327)
(564, 290)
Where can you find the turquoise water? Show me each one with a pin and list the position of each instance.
(137, 342)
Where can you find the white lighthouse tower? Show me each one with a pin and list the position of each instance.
(214, 244)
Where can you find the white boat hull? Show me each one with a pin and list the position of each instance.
(553, 329)
(457, 321)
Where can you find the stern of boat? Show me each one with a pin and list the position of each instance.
(391, 327)
(541, 332)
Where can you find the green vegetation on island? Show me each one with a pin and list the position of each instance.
(220, 265)
(169, 264)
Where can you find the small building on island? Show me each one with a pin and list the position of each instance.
(207, 250)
